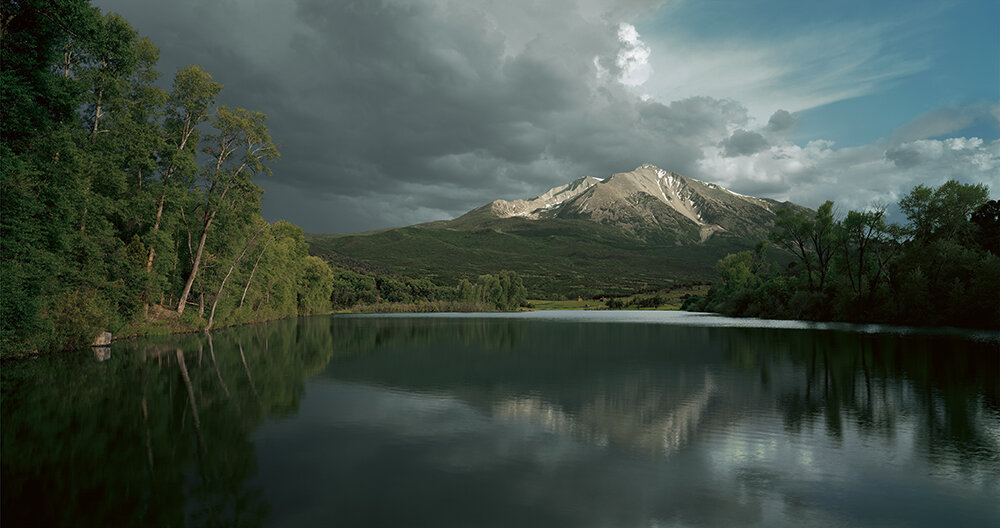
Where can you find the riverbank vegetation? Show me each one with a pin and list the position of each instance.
(941, 268)
(125, 203)
(134, 209)
(359, 292)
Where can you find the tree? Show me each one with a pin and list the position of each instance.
(188, 105)
(739, 270)
(943, 213)
(987, 219)
(794, 233)
(867, 246)
(515, 294)
(232, 266)
(808, 237)
(90, 149)
(239, 150)
(823, 241)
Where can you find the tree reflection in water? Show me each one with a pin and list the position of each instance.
(153, 435)
(159, 433)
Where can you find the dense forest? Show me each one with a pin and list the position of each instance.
(941, 268)
(131, 208)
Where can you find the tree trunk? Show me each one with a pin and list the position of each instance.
(156, 228)
(218, 295)
(252, 271)
(197, 263)
(97, 112)
(185, 134)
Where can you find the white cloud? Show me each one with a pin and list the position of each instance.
(633, 57)
(854, 177)
(811, 69)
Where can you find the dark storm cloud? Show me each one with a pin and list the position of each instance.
(903, 156)
(743, 143)
(395, 112)
(781, 121)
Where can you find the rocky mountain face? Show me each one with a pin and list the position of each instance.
(544, 206)
(626, 233)
(646, 202)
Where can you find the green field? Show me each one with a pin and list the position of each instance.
(670, 299)
(590, 304)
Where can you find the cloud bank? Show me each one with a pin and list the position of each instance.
(394, 112)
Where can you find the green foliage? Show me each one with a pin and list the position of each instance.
(943, 213)
(505, 291)
(106, 213)
(615, 304)
(938, 270)
(809, 238)
(364, 292)
(987, 220)
(558, 259)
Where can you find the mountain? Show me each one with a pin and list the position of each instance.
(630, 231)
(646, 202)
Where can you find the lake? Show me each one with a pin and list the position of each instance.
(548, 419)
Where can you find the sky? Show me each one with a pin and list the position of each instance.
(395, 112)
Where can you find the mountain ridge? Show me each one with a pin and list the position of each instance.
(633, 230)
(639, 200)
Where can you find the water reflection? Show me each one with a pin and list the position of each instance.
(383, 421)
(157, 434)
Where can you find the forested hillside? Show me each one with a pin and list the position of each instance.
(941, 268)
(126, 205)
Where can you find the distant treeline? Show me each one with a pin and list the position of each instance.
(366, 292)
(941, 268)
(129, 208)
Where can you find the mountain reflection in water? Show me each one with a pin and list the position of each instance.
(588, 420)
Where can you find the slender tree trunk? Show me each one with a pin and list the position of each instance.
(218, 295)
(254, 270)
(67, 61)
(209, 216)
(185, 134)
(156, 228)
(90, 171)
(197, 263)
(97, 115)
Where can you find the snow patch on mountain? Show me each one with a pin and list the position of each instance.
(646, 198)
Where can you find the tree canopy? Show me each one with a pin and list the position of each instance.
(941, 268)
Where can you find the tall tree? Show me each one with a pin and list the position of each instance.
(808, 237)
(238, 150)
(40, 168)
(232, 266)
(867, 246)
(188, 105)
(987, 218)
(944, 212)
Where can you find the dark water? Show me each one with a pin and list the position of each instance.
(567, 419)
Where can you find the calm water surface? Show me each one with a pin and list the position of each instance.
(576, 419)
